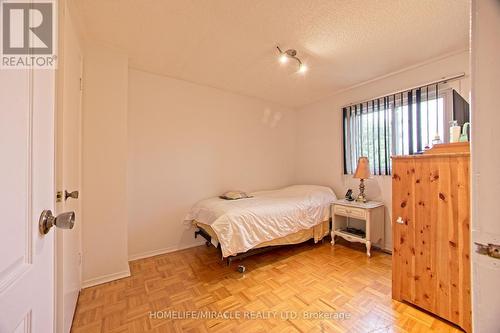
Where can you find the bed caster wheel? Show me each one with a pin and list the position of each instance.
(241, 269)
(207, 244)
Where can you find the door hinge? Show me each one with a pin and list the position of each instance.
(59, 196)
(492, 250)
(81, 84)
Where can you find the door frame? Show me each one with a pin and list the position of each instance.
(63, 11)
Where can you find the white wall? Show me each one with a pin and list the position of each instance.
(485, 162)
(104, 165)
(319, 138)
(188, 142)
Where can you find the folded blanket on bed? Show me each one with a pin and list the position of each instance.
(242, 224)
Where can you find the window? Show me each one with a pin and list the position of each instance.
(400, 124)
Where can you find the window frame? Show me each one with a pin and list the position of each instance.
(348, 165)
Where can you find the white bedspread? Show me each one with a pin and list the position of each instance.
(242, 224)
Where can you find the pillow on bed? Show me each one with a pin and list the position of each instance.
(234, 195)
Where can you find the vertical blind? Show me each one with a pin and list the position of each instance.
(398, 124)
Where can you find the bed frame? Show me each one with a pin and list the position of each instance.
(241, 256)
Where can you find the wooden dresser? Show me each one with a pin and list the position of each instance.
(431, 232)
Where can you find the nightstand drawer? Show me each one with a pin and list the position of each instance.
(357, 213)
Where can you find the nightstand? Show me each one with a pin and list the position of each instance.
(372, 213)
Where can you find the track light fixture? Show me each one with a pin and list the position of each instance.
(291, 54)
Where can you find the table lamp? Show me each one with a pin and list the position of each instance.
(362, 173)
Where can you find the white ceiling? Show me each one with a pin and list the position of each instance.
(230, 44)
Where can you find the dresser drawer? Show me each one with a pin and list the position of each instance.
(357, 213)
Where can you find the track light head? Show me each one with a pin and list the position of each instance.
(302, 68)
(283, 58)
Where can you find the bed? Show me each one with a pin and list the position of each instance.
(290, 215)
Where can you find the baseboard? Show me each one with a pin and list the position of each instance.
(157, 252)
(105, 278)
(388, 251)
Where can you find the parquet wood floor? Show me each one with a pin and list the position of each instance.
(308, 280)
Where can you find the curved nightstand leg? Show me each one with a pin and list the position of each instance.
(368, 248)
(333, 238)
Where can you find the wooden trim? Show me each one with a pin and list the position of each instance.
(443, 148)
(423, 156)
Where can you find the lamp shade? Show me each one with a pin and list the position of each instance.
(363, 168)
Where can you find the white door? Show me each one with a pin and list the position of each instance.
(485, 164)
(26, 189)
(68, 179)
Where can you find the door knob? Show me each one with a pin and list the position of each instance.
(63, 221)
(73, 195)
